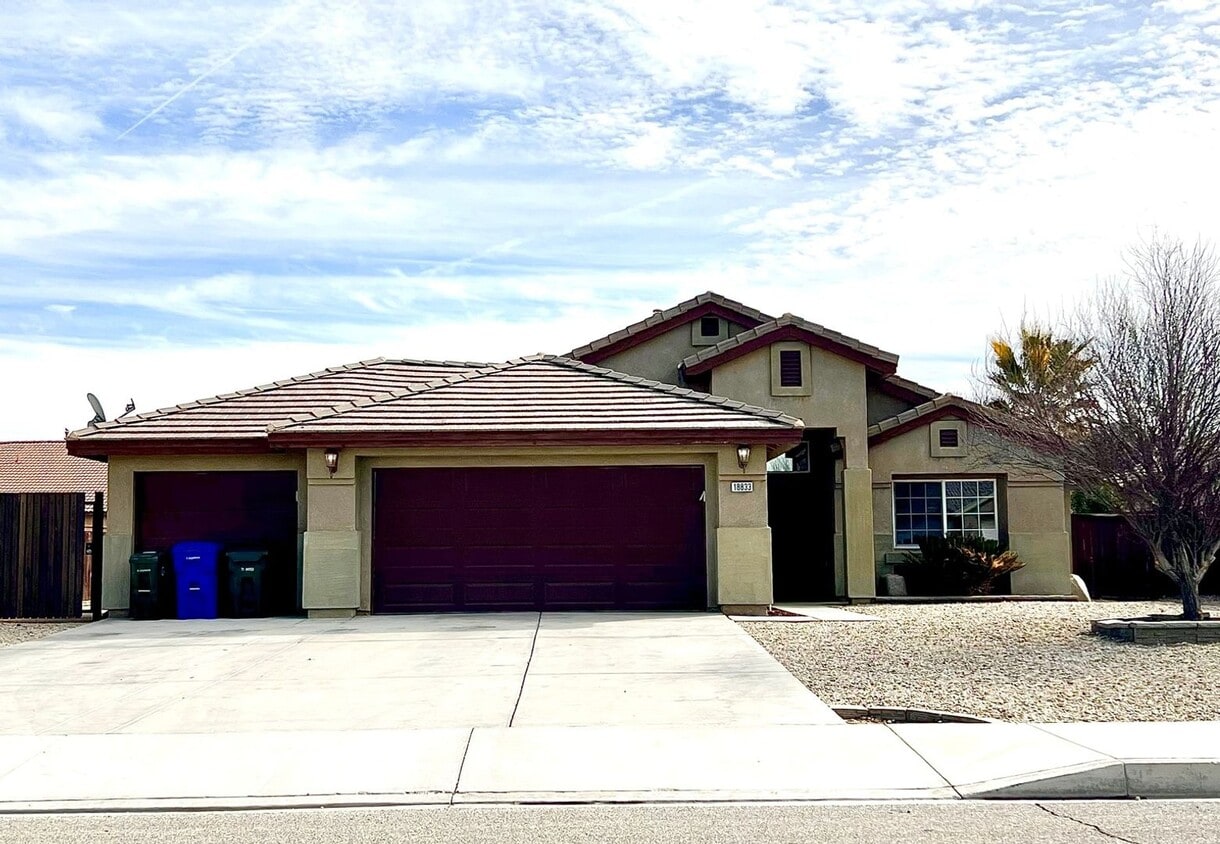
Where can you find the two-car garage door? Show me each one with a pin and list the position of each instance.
(531, 538)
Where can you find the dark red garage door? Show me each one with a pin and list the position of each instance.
(240, 510)
(528, 538)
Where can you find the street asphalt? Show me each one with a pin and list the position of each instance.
(1142, 822)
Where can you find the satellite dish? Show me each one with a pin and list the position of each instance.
(99, 415)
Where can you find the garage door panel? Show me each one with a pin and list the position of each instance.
(541, 538)
(501, 595)
(436, 596)
(594, 595)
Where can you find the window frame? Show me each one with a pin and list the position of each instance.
(944, 508)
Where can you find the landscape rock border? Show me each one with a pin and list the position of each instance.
(1143, 631)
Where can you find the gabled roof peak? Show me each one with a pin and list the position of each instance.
(708, 303)
(790, 324)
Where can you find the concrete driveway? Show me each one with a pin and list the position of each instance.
(399, 672)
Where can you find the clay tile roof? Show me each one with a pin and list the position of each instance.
(46, 466)
(247, 413)
(541, 394)
(929, 411)
(911, 386)
(790, 324)
(709, 299)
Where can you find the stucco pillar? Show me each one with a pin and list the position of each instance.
(119, 540)
(331, 548)
(743, 539)
(858, 533)
(1044, 542)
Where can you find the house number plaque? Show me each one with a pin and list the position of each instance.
(741, 486)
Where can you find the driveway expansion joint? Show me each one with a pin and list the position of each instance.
(524, 674)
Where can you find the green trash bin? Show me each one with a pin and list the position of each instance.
(150, 587)
(247, 583)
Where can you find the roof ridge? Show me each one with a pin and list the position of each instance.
(169, 410)
(674, 390)
(777, 323)
(913, 386)
(660, 315)
(393, 395)
(911, 413)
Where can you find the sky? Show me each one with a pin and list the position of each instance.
(201, 197)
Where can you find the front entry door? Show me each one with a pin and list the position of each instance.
(800, 511)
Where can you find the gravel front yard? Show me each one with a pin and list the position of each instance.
(15, 632)
(1010, 661)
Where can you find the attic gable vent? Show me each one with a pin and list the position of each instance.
(790, 368)
(948, 437)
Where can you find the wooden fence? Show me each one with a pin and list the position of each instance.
(42, 555)
(1115, 563)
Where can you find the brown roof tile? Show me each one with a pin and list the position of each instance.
(46, 466)
(247, 413)
(659, 318)
(706, 359)
(929, 411)
(907, 385)
(540, 394)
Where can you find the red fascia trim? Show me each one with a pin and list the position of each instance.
(793, 332)
(388, 439)
(952, 411)
(87, 447)
(631, 340)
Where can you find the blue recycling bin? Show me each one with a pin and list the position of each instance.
(197, 583)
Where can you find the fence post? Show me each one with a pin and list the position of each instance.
(95, 573)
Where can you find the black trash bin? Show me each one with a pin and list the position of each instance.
(247, 583)
(151, 594)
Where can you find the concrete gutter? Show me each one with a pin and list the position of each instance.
(608, 765)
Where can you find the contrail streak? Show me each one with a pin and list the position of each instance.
(220, 64)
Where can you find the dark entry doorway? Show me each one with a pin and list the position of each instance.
(801, 513)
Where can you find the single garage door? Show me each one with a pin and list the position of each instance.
(530, 538)
(240, 510)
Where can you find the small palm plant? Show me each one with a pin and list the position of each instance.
(960, 565)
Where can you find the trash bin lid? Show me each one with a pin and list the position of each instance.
(246, 556)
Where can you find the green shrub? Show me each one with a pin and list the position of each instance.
(957, 565)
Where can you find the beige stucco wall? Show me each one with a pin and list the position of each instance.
(119, 541)
(883, 405)
(1033, 508)
(660, 357)
(838, 399)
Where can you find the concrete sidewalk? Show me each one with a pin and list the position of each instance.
(495, 765)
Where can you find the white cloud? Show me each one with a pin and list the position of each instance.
(57, 117)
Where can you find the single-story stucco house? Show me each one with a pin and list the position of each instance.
(707, 456)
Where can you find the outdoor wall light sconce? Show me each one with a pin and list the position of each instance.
(332, 460)
(743, 456)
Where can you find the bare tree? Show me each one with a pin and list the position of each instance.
(1145, 427)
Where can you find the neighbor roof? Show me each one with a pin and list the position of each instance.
(540, 399)
(944, 405)
(46, 466)
(790, 327)
(705, 304)
(245, 414)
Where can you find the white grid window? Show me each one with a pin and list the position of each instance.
(944, 508)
